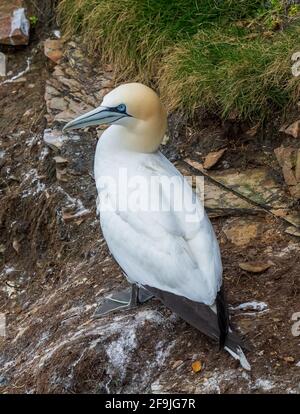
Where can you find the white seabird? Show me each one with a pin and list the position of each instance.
(167, 252)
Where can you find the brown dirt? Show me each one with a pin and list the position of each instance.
(53, 273)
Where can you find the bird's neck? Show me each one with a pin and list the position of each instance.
(143, 136)
(146, 136)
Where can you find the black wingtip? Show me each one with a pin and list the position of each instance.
(223, 317)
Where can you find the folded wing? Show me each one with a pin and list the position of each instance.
(173, 249)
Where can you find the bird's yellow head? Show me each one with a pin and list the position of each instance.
(135, 107)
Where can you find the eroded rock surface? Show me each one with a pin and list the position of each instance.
(74, 87)
(289, 160)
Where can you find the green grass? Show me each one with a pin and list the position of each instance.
(228, 73)
(222, 55)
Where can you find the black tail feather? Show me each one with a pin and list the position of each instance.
(223, 317)
(202, 317)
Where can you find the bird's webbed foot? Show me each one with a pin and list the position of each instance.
(128, 298)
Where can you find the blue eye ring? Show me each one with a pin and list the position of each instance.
(121, 108)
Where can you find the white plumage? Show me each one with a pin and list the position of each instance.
(168, 250)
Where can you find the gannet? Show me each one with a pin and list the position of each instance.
(167, 252)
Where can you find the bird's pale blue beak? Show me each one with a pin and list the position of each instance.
(98, 116)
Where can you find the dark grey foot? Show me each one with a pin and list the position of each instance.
(125, 299)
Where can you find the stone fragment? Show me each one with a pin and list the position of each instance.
(53, 49)
(78, 108)
(295, 191)
(288, 175)
(54, 138)
(289, 160)
(73, 84)
(289, 359)
(14, 25)
(289, 215)
(256, 184)
(284, 155)
(293, 129)
(58, 71)
(62, 175)
(64, 116)
(212, 158)
(195, 164)
(218, 200)
(2, 64)
(51, 91)
(255, 267)
(57, 103)
(16, 246)
(241, 231)
(293, 231)
(60, 160)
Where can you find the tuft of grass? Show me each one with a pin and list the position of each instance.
(225, 55)
(223, 71)
(134, 34)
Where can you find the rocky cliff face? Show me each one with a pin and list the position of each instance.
(55, 266)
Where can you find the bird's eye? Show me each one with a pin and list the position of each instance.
(121, 108)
